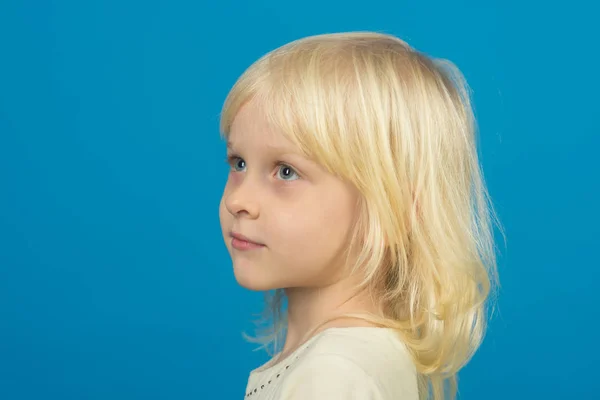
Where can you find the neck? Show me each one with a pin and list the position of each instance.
(309, 310)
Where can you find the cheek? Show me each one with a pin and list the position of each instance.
(310, 234)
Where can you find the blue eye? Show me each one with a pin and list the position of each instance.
(285, 172)
(239, 163)
(289, 171)
(235, 161)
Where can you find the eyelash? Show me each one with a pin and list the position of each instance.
(230, 160)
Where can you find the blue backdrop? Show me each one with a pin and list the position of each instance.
(114, 281)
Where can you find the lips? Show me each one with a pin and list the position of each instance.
(245, 238)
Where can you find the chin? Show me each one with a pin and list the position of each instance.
(253, 280)
(254, 285)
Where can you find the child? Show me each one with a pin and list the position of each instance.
(355, 194)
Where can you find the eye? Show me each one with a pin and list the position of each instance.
(287, 172)
(236, 162)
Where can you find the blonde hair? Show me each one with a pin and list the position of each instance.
(399, 126)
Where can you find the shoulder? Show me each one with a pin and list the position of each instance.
(353, 363)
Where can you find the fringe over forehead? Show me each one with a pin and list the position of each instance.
(343, 99)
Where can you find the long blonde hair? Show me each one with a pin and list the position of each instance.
(398, 125)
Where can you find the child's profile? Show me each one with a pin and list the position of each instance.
(355, 197)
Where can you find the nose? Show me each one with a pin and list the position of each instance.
(241, 199)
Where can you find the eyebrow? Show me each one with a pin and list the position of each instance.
(282, 149)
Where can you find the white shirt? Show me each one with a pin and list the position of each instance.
(365, 363)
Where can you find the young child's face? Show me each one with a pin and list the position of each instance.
(301, 214)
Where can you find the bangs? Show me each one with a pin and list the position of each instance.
(300, 104)
(321, 96)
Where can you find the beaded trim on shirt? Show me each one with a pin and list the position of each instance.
(251, 392)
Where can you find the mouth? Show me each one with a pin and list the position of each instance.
(241, 242)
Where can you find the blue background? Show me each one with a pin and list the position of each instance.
(114, 280)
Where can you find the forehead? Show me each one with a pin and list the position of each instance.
(250, 128)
